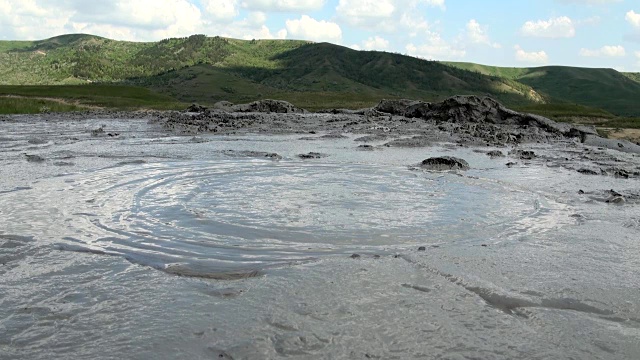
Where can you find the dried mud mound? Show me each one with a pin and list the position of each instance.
(479, 110)
(466, 120)
(262, 106)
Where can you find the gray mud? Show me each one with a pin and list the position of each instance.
(268, 235)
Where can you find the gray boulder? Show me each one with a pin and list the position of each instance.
(444, 163)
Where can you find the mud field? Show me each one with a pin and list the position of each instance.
(457, 230)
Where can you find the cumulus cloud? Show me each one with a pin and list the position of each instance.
(365, 12)
(477, 34)
(633, 18)
(606, 51)
(535, 57)
(435, 48)
(221, 9)
(560, 27)
(284, 5)
(386, 15)
(308, 28)
(122, 19)
(376, 43)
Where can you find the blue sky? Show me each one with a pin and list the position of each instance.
(592, 33)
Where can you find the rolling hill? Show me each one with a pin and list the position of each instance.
(602, 88)
(314, 75)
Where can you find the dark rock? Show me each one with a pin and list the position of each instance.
(495, 154)
(422, 248)
(312, 155)
(416, 141)
(523, 154)
(34, 158)
(621, 173)
(616, 200)
(587, 171)
(445, 163)
(355, 256)
(372, 138)
(97, 132)
(268, 106)
(195, 108)
(511, 164)
(394, 107)
(333, 136)
(365, 147)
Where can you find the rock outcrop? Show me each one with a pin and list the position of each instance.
(480, 110)
(444, 163)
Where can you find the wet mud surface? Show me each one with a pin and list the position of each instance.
(209, 234)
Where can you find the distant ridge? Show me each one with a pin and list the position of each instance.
(208, 69)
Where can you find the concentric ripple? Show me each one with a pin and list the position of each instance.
(229, 219)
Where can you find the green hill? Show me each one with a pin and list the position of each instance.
(313, 75)
(607, 89)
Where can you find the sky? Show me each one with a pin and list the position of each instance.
(589, 33)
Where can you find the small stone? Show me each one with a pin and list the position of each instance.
(587, 171)
(495, 154)
(616, 200)
(34, 158)
(422, 248)
(355, 256)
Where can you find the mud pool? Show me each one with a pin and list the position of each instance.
(143, 244)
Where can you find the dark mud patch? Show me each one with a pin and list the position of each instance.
(253, 154)
(312, 155)
(372, 138)
(444, 163)
(413, 142)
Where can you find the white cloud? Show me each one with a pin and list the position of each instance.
(284, 5)
(120, 19)
(435, 3)
(435, 48)
(308, 28)
(560, 27)
(361, 12)
(477, 34)
(221, 9)
(633, 18)
(375, 43)
(606, 51)
(536, 57)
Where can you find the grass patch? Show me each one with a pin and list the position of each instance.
(109, 96)
(562, 111)
(33, 106)
(621, 123)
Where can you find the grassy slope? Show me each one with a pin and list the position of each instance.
(600, 88)
(111, 96)
(209, 69)
(633, 76)
(239, 70)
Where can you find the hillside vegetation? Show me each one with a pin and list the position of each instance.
(607, 89)
(312, 75)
